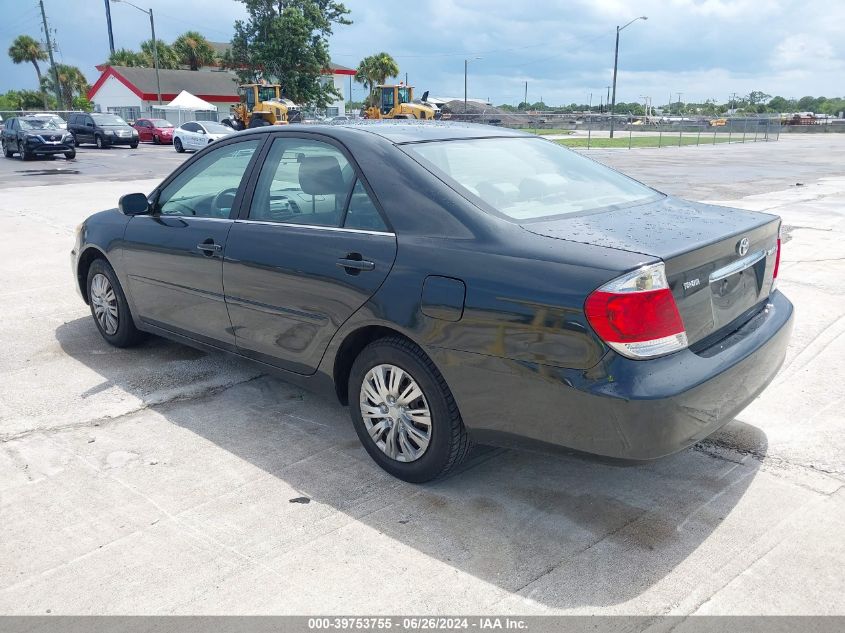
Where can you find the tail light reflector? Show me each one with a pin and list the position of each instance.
(636, 314)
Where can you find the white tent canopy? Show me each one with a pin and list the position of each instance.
(186, 101)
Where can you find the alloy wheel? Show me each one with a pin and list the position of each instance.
(395, 413)
(104, 303)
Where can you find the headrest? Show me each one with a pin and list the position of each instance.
(320, 175)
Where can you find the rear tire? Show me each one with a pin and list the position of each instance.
(177, 144)
(6, 151)
(109, 306)
(448, 442)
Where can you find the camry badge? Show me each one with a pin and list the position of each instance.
(742, 246)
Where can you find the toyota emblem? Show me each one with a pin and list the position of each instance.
(742, 246)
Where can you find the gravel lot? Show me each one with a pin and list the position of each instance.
(163, 480)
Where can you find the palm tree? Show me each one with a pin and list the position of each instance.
(28, 49)
(374, 70)
(72, 83)
(125, 57)
(194, 50)
(167, 57)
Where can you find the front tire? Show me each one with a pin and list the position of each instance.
(101, 144)
(156, 140)
(404, 413)
(70, 155)
(133, 145)
(177, 145)
(109, 307)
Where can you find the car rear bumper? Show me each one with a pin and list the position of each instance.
(621, 408)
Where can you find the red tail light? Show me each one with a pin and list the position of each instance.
(636, 314)
(777, 261)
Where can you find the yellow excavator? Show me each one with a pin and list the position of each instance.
(264, 100)
(397, 102)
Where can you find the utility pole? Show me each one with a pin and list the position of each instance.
(406, 80)
(680, 103)
(50, 52)
(108, 23)
(149, 12)
(525, 101)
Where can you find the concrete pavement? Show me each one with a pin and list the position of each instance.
(162, 480)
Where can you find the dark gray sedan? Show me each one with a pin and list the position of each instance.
(451, 284)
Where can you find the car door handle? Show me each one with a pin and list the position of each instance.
(353, 263)
(208, 247)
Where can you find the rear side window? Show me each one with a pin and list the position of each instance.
(302, 181)
(362, 212)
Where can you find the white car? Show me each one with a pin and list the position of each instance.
(194, 135)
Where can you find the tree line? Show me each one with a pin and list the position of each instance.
(756, 102)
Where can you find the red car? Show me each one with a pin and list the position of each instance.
(156, 130)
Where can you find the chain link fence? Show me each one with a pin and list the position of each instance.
(594, 130)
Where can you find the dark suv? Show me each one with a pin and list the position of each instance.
(102, 130)
(35, 136)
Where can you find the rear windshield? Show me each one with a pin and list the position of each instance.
(108, 119)
(161, 123)
(529, 178)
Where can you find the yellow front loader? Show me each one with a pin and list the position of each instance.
(396, 102)
(265, 100)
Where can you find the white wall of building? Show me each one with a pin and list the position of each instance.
(113, 94)
(340, 82)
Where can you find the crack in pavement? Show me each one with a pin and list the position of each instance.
(205, 393)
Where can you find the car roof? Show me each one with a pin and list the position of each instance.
(403, 131)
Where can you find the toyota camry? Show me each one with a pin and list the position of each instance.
(451, 284)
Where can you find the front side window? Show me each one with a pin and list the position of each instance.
(208, 187)
(302, 182)
(529, 178)
(404, 96)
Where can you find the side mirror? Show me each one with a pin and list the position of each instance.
(134, 204)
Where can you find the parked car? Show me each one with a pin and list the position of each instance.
(340, 119)
(32, 136)
(102, 130)
(195, 135)
(489, 286)
(55, 118)
(159, 131)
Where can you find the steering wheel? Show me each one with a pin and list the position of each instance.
(220, 201)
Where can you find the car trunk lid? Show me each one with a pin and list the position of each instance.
(719, 261)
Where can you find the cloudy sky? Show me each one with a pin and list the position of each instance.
(563, 49)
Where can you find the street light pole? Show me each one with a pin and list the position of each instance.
(615, 68)
(155, 45)
(466, 64)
